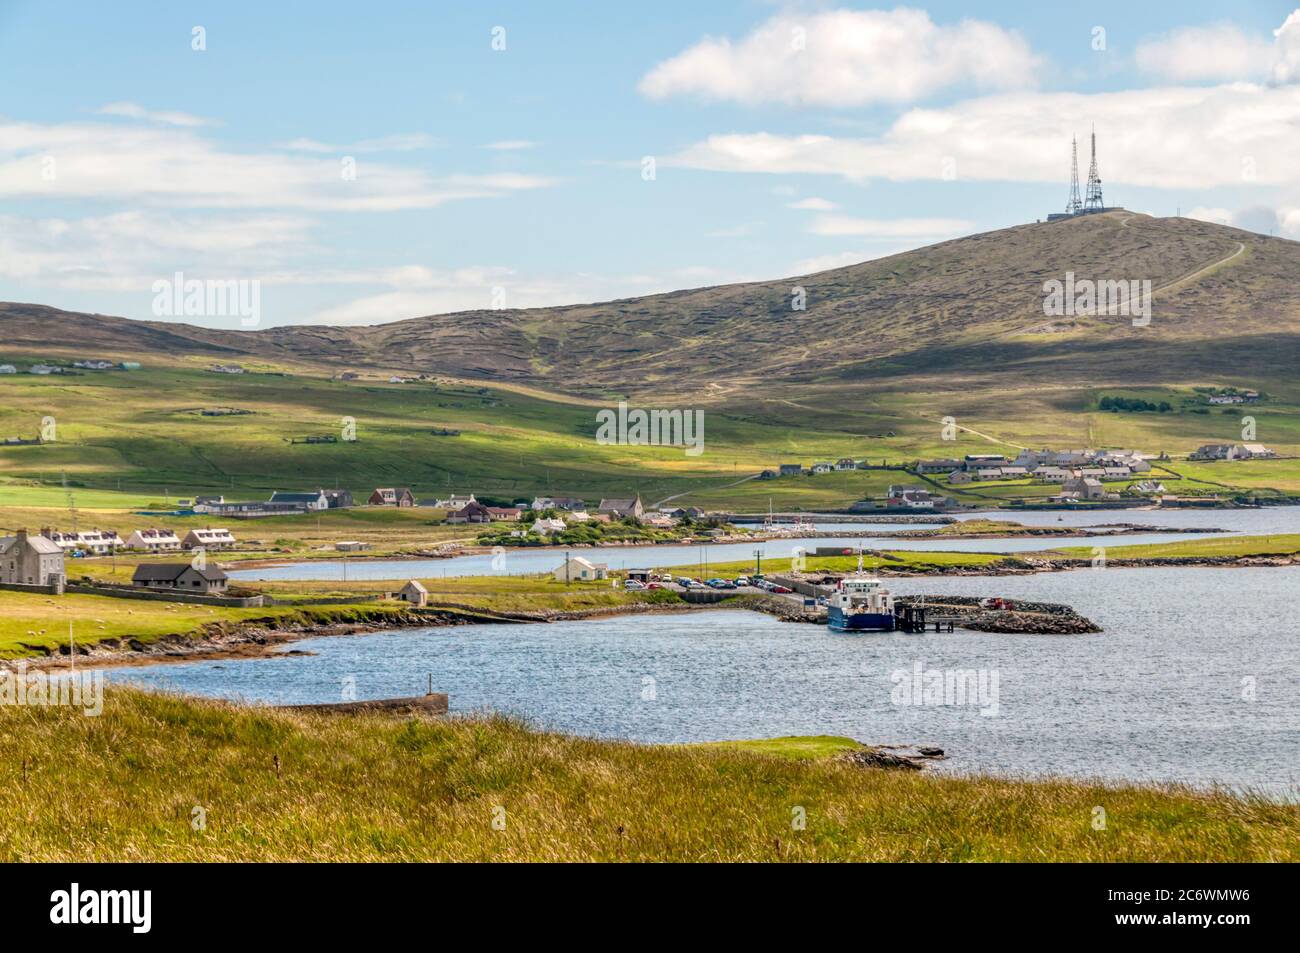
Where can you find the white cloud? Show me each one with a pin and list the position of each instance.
(1261, 219)
(1168, 137)
(842, 225)
(421, 291)
(1223, 51)
(400, 142)
(136, 111)
(809, 266)
(126, 251)
(1217, 216)
(813, 204)
(511, 145)
(181, 169)
(847, 58)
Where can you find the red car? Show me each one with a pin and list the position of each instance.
(780, 589)
(654, 585)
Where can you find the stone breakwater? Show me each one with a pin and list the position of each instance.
(1012, 616)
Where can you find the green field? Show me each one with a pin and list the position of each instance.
(161, 778)
(130, 441)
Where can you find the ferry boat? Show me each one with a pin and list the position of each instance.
(860, 604)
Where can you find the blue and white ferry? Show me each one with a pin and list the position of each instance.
(860, 603)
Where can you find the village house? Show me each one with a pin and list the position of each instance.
(453, 502)
(153, 541)
(474, 512)
(791, 469)
(507, 513)
(557, 503)
(687, 513)
(946, 465)
(545, 526)
(821, 468)
(350, 546)
(414, 593)
(207, 581)
(1147, 488)
(659, 521)
(8, 369)
(961, 476)
(31, 560)
(767, 475)
(208, 539)
(975, 461)
(315, 500)
(1053, 474)
(95, 541)
(845, 463)
(251, 509)
(1014, 473)
(226, 369)
(1082, 488)
(578, 569)
(622, 508)
(1116, 473)
(338, 499)
(1257, 451)
(399, 496)
(911, 497)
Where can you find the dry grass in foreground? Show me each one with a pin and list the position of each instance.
(129, 785)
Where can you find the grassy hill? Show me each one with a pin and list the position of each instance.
(884, 352)
(970, 308)
(273, 785)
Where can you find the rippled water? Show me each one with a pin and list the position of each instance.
(1196, 677)
(515, 562)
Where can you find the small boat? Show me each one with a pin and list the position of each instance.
(860, 603)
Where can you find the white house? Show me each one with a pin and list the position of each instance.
(822, 468)
(8, 369)
(1257, 450)
(457, 501)
(94, 541)
(578, 569)
(547, 526)
(208, 539)
(153, 541)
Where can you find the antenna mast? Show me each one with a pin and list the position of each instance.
(1075, 205)
(1094, 201)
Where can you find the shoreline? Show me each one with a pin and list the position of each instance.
(1108, 530)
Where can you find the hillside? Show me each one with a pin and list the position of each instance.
(961, 313)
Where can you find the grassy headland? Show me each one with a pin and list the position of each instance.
(274, 785)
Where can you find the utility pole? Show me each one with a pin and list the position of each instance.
(758, 562)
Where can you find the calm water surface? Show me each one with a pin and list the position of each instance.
(1196, 678)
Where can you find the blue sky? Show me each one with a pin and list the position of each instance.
(786, 138)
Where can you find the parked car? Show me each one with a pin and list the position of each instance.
(633, 584)
(785, 590)
(720, 584)
(654, 585)
(742, 580)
